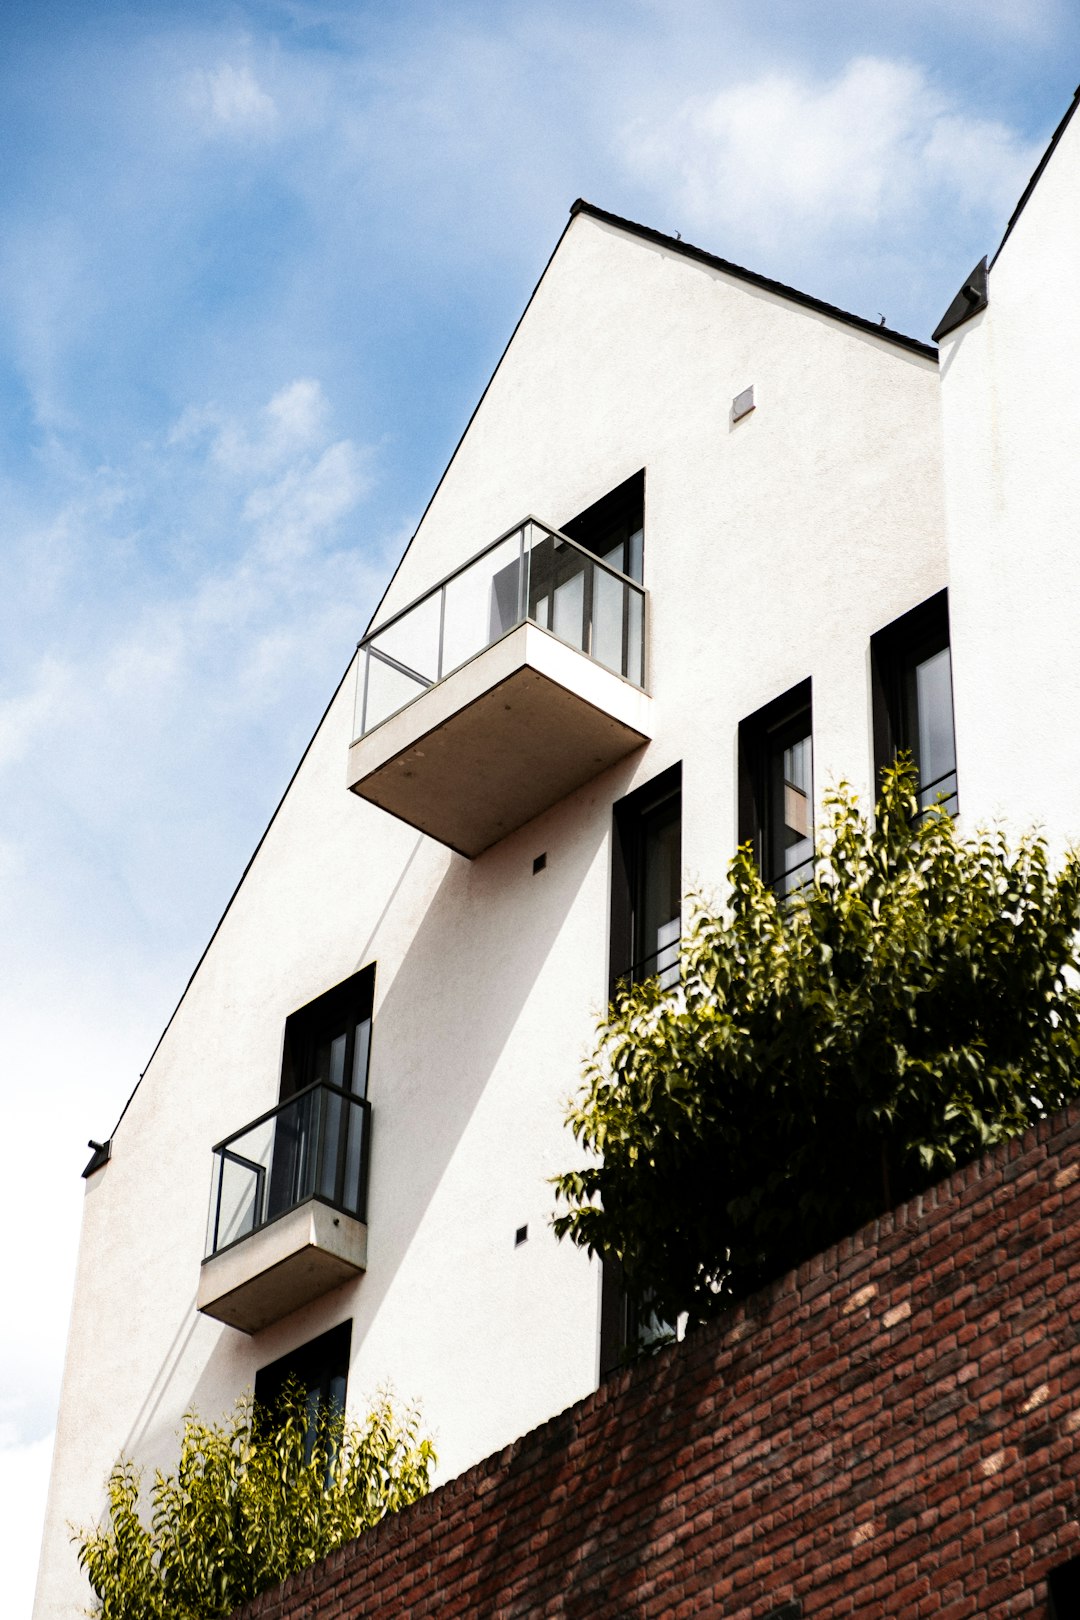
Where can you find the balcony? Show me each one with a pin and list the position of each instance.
(287, 1208)
(514, 681)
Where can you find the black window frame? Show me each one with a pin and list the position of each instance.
(630, 818)
(320, 1368)
(623, 1325)
(351, 1002)
(618, 514)
(763, 737)
(895, 652)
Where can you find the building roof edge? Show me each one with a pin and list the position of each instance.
(1038, 174)
(792, 294)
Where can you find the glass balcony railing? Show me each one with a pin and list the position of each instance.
(315, 1145)
(533, 573)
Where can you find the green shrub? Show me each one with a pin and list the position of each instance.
(247, 1506)
(825, 1056)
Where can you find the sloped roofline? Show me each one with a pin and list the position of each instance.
(647, 234)
(1038, 174)
(675, 244)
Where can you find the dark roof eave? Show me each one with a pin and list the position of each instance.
(792, 295)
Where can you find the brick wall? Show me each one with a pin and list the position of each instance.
(893, 1430)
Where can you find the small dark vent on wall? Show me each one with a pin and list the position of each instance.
(792, 1610)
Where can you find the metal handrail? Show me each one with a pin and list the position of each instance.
(289, 1102)
(555, 534)
(340, 1182)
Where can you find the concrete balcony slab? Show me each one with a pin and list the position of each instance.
(281, 1266)
(500, 740)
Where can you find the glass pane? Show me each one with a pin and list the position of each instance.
(791, 814)
(330, 1054)
(292, 1171)
(240, 1185)
(237, 1212)
(568, 606)
(354, 1148)
(331, 1107)
(388, 690)
(667, 952)
(936, 755)
(607, 627)
(635, 638)
(657, 920)
(413, 640)
(633, 561)
(361, 1054)
(482, 603)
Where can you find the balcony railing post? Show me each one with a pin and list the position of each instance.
(442, 631)
(524, 571)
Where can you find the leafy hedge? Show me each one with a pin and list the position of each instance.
(247, 1506)
(823, 1057)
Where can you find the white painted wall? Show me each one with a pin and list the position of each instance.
(1011, 408)
(774, 548)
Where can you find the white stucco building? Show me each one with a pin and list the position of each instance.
(705, 545)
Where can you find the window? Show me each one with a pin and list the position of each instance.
(321, 1139)
(911, 672)
(318, 1369)
(1064, 1591)
(626, 1329)
(646, 882)
(329, 1040)
(646, 908)
(589, 607)
(776, 789)
(613, 528)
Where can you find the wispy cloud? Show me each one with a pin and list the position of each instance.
(230, 100)
(866, 150)
(229, 656)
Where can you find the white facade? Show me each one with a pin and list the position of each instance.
(1012, 432)
(775, 546)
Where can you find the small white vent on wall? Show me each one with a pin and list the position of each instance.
(742, 404)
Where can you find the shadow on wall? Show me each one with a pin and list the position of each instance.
(468, 972)
(455, 1000)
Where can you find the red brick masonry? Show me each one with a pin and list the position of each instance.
(891, 1430)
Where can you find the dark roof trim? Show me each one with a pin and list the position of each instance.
(973, 296)
(675, 244)
(472, 417)
(232, 897)
(1037, 176)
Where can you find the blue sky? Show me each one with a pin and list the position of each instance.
(257, 261)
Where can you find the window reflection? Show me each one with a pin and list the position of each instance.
(776, 789)
(913, 704)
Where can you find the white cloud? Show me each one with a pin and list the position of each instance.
(278, 488)
(230, 100)
(26, 715)
(785, 152)
(291, 513)
(293, 421)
